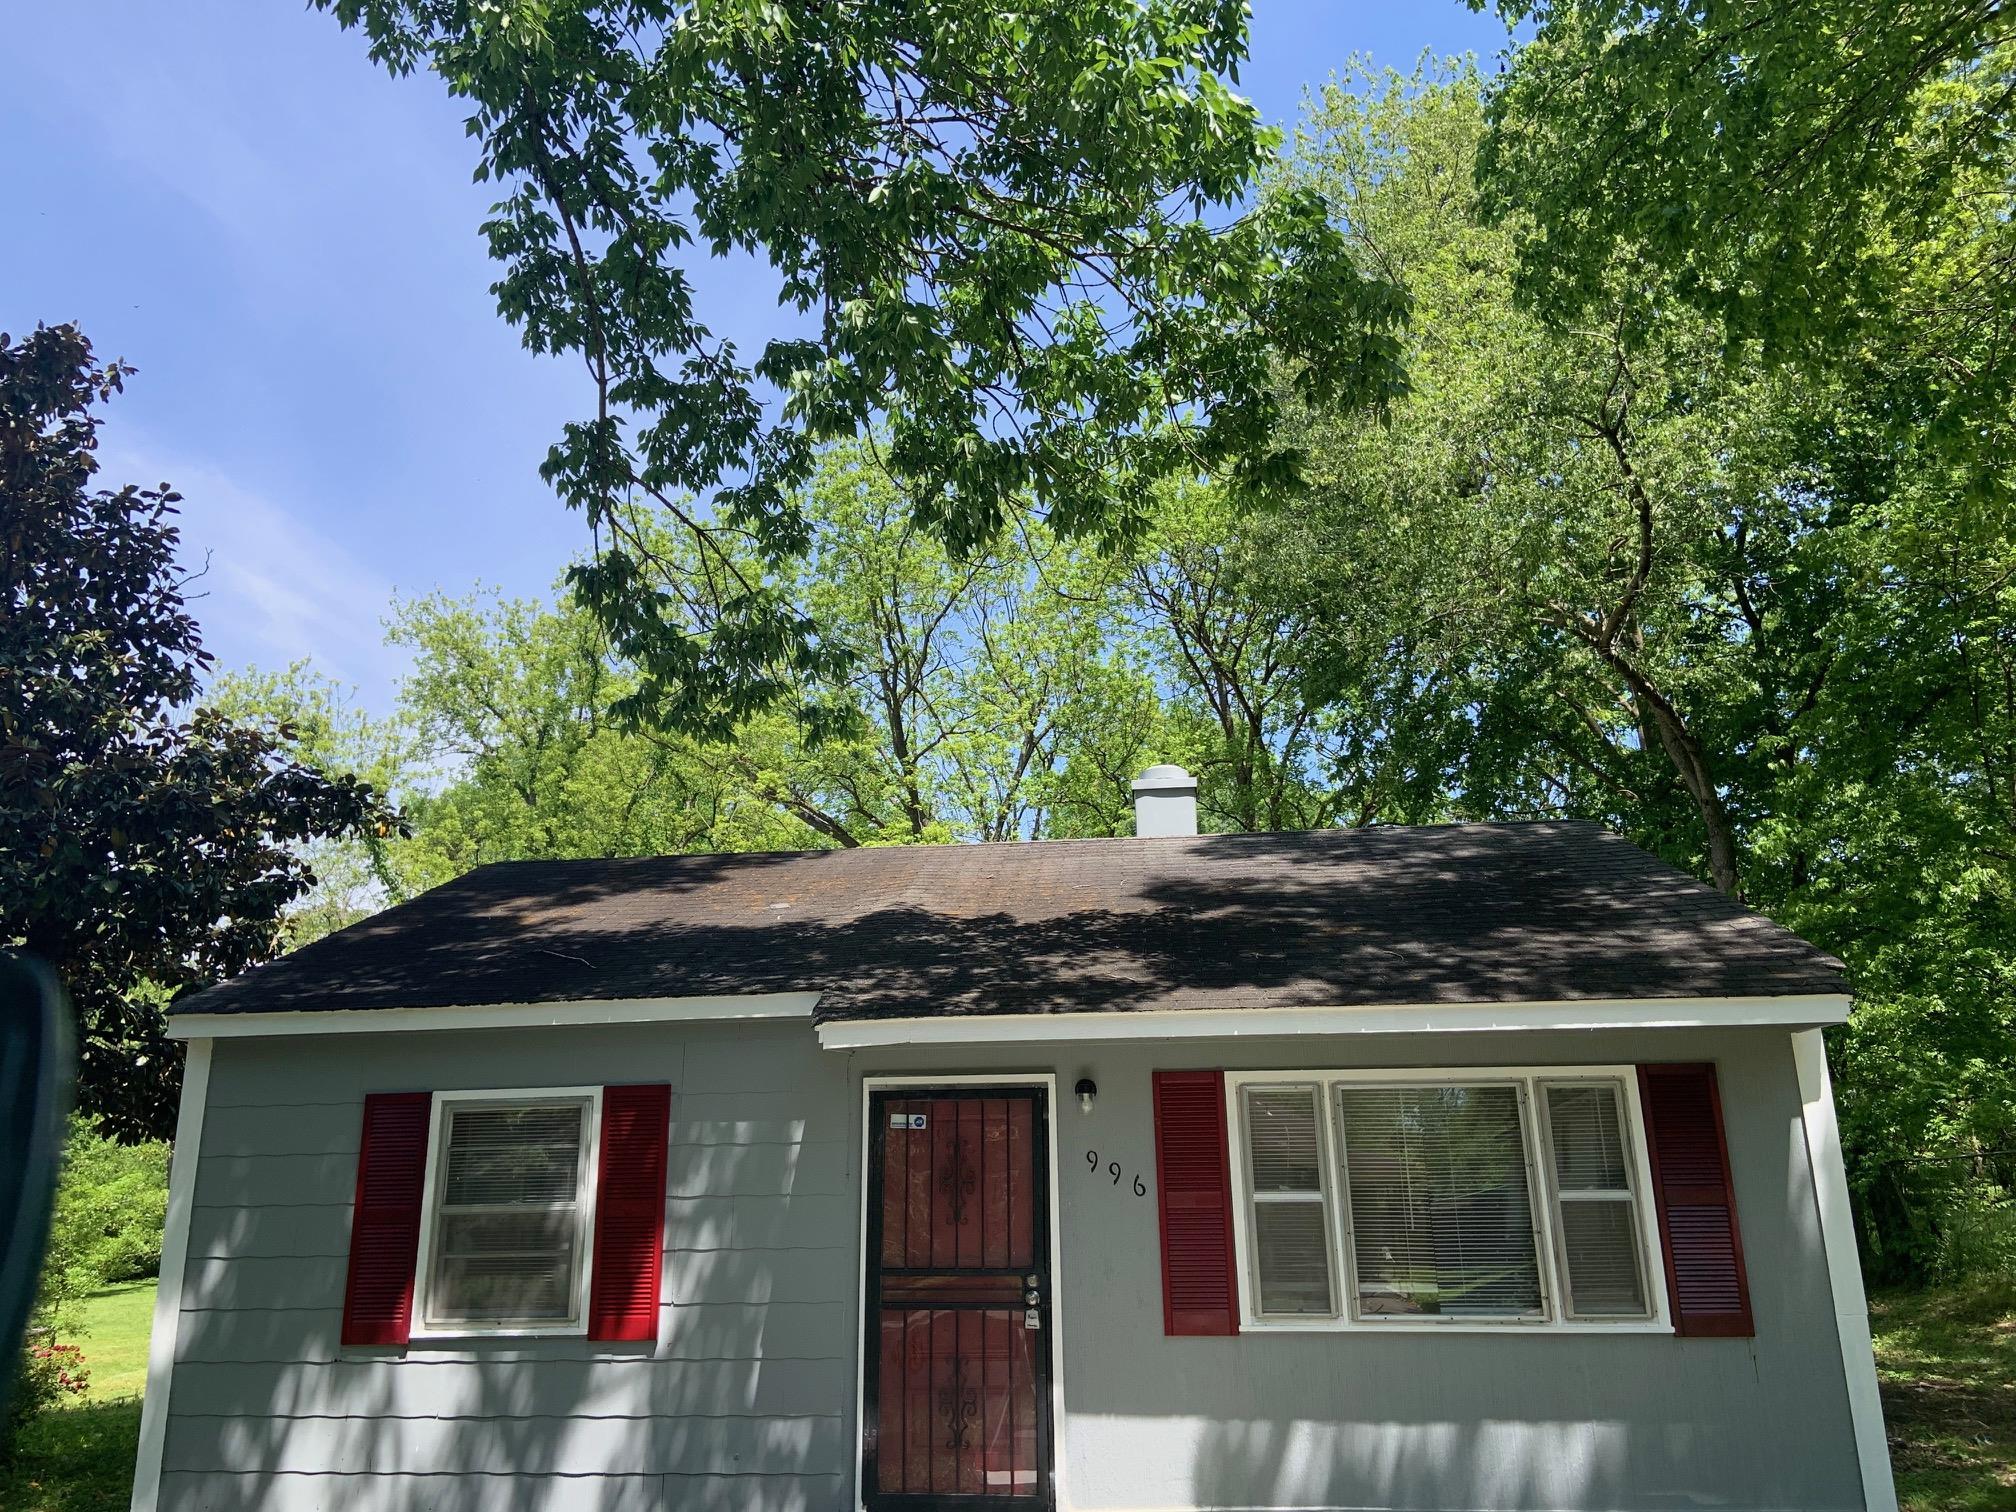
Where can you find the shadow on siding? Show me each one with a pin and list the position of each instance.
(740, 1404)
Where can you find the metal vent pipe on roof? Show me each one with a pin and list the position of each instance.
(1165, 802)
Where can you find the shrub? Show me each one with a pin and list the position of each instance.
(110, 1209)
(1977, 1237)
(46, 1374)
(111, 1205)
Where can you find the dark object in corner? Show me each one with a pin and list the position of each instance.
(35, 1087)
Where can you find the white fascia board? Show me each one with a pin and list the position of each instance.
(758, 1005)
(1844, 1270)
(1803, 1010)
(182, 1162)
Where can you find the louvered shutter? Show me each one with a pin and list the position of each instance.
(1193, 1187)
(1696, 1204)
(385, 1223)
(630, 1212)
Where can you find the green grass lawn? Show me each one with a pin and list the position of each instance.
(1947, 1360)
(75, 1459)
(80, 1459)
(115, 1325)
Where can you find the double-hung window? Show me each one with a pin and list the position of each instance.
(1599, 1229)
(1290, 1212)
(1488, 1197)
(508, 1213)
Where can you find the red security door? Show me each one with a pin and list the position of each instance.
(957, 1374)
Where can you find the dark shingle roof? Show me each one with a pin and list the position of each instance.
(1432, 914)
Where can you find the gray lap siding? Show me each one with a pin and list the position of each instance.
(508, 1491)
(1418, 1420)
(746, 1401)
(742, 1402)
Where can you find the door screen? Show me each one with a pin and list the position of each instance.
(958, 1298)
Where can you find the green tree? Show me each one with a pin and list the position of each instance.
(321, 725)
(965, 673)
(111, 1205)
(501, 748)
(1830, 178)
(110, 1209)
(1231, 652)
(1543, 506)
(1623, 567)
(973, 688)
(1011, 238)
(146, 847)
(517, 756)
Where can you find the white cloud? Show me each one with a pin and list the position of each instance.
(275, 589)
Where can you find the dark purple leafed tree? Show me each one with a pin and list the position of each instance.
(147, 846)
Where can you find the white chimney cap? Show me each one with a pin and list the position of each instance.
(1165, 802)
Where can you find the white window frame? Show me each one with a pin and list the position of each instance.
(1639, 1191)
(584, 1259)
(1325, 1199)
(1552, 1318)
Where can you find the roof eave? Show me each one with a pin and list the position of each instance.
(1806, 1010)
(564, 1013)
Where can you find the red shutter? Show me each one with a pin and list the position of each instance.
(385, 1224)
(630, 1212)
(1193, 1188)
(1697, 1205)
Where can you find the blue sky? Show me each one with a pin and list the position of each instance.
(283, 240)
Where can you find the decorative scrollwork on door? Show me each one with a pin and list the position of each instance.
(958, 1178)
(958, 1404)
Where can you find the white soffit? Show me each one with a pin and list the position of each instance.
(1804, 1010)
(768, 1005)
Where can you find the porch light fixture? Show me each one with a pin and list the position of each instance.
(1087, 1089)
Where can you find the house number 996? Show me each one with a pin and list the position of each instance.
(1113, 1166)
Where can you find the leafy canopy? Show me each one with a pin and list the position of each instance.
(146, 846)
(1830, 178)
(1011, 236)
(1011, 693)
(1715, 603)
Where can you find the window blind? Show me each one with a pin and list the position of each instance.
(507, 1237)
(1601, 1259)
(1291, 1243)
(513, 1156)
(1440, 1203)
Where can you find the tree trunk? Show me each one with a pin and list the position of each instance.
(1690, 764)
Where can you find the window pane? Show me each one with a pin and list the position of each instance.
(506, 1156)
(1586, 1129)
(1600, 1240)
(504, 1266)
(507, 1228)
(1281, 1138)
(1441, 1215)
(1293, 1257)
